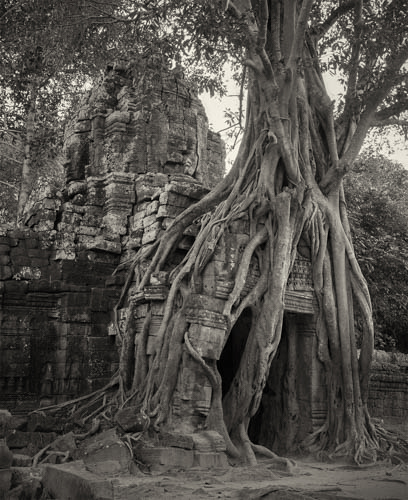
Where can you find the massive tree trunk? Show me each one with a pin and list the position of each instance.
(287, 181)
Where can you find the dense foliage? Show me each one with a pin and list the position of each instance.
(377, 198)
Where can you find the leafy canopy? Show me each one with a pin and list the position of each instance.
(377, 198)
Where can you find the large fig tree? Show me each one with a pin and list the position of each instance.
(287, 180)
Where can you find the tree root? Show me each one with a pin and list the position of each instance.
(96, 424)
(72, 402)
(287, 463)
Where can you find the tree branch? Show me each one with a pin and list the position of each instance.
(391, 111)
(301, 24)
(321, 29)
(387, 122)
(275, 31)
(14, 7)
(288, 28)
(10, 185)
(373, 101)
(263, 24)
(351, 94)
(389, 79)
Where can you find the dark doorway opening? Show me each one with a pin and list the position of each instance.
(231, 355)
(267, 426)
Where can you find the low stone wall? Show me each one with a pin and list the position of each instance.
(54, 320)
(388, 395)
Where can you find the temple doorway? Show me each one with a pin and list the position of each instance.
(231, 355)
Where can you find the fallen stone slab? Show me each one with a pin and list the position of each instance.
(73, 480)
(211, 460)
(30, 489)
(106, 446)
(35, 440)
(165, 458)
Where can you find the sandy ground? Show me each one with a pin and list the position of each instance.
(309, 480)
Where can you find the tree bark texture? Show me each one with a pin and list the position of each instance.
(27, 170)
(286, 181)
(286, 185)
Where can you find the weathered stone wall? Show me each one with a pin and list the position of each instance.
(388, 396)
(53, 321)
(138, 151)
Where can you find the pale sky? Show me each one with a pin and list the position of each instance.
(215, 107)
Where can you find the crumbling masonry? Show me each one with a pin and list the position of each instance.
(138, 152)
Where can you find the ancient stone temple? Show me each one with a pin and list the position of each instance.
(138, 152)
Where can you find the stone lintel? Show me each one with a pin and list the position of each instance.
(302, 302)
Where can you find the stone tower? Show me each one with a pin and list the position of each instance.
(137, 152)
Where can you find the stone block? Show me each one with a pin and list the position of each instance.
(4, 260)
(5, 481)
(117, 280)
(72, 481)
(86, 273)
(36, 252)
(208, 441)
(152, 207)
(150, 235)
(105, 468)
(65, 443)
(131, 420)
(150, 222)
(5, 272)
(167, 457)
(102, 299)
(176, 440)
(17, 251)
(4, 249)
(198, 300)
(211, 460)
(168, 211)
(159, 278)
(102, 244)
(20, 460)
(39, 263)
(5, 423)
(186, 187)
(156, 292)
(4, 240)
(88, 230)
(36, 440)
(148, 185)
(24, 485)
(106, 446)
(45, 226)
(99, 345)
(302, 302)
(208, 341)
